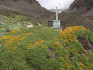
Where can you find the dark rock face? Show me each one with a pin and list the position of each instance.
(83, 7)
(86, 43)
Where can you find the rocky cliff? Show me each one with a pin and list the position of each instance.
(27, 7)
(83, 7)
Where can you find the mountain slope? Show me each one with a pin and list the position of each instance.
(83, 7)
(72, 19)
(27, 7)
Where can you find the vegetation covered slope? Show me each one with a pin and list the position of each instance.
(13, 21)
(41, 48)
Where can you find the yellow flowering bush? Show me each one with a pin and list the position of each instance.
(69, 33)
(5, 37)
(41, 48)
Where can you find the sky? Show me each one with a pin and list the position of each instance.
(51, 4)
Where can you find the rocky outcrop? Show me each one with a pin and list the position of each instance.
(83, 7)
(27, 7)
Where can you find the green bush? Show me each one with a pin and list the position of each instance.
(42, 48)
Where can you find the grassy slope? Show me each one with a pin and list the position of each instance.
(41, 48)
(10, 22)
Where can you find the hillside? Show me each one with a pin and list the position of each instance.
(71, 19)
(79, 13)
(8, 23)
(41, 48)
(29, 8)
(24, 45)
(83, 7)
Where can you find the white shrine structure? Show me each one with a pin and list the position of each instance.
(56, 23)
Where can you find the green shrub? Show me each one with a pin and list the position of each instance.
(42, 48)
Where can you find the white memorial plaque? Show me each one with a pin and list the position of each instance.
(56, 24)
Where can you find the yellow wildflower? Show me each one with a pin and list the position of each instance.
(31, 44)
(22, 37)
(74, 52)
(5, 37)
(28, 47)
(13, 31)
(13, 40)
(55, 43)
(41, 45)
(92, 65)
(14, 48)
(6, 46)
(80, 68)
(61, 39)
(81, 64)
(28, 33)
(42, 41)
(61, 45)
(67, 66)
